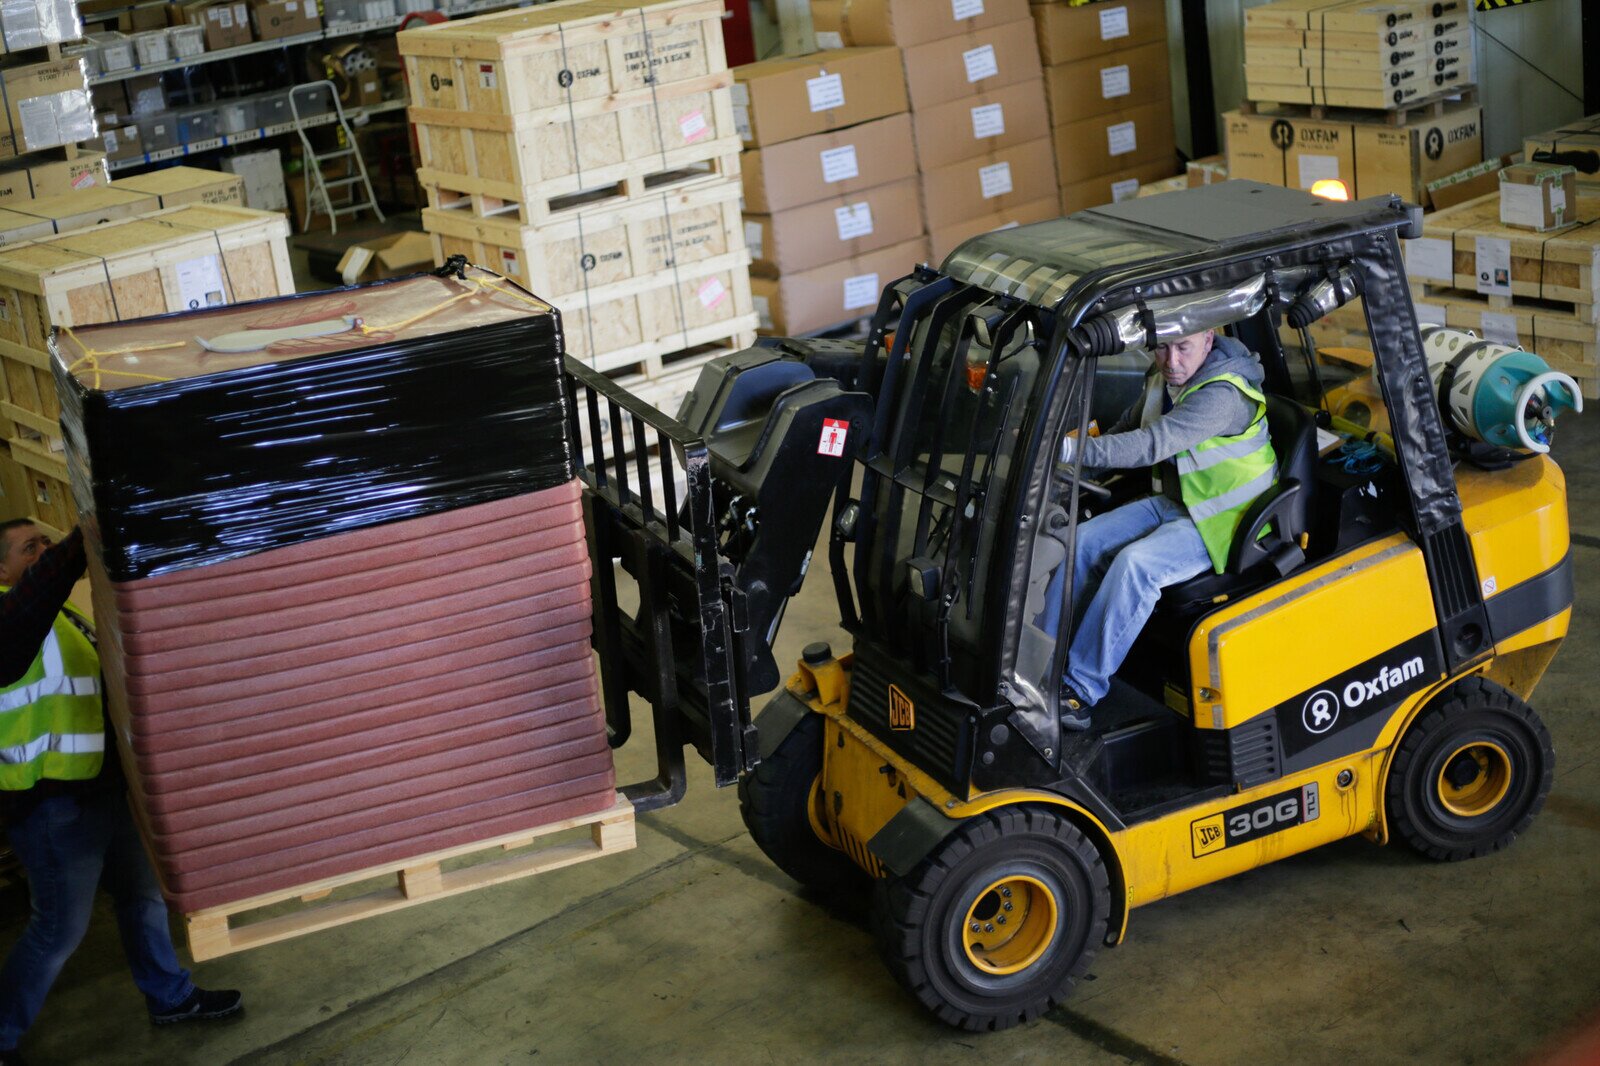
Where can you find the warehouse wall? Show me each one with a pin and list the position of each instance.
(1521, 100)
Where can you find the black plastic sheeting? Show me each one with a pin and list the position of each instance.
(185, 473)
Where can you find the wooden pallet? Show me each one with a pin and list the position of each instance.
(1336, 105)
(221, 930)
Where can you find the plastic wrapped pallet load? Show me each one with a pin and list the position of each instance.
(340, 578)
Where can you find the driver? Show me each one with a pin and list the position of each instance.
(1201, 426)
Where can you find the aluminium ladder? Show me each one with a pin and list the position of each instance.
(357, 186)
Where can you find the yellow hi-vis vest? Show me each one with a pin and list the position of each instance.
(1222, 476)
(51, 720)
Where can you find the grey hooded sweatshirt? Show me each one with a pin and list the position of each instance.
(1212, 410)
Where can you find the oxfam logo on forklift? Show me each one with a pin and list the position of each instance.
(1321, 710)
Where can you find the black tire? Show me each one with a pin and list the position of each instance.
(922, 921)
(1470, 773)
(775, 802)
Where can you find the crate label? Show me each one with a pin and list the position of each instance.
(1429, 314)
(860, 291)
(741, 122)
(1121, 138)
(829, 39)
(1315, 168)
(995, 180)
(853, 220)
(825, 92)
(1126, 189)
(1432, 258)
(763, 312)
(839, 164)
(834, 433)
(740, 94)
(980, 63)
(988, 121)
(711, 292)
(1558, 201)
(487, 78)
(966, 9)
(84, 180)
(1114, 82)
(1500, 328)
(752, 239)
(1493, 259)
(508, 263)
(1113, 23)
(693, 127)
(1523, 205)
(200, 283)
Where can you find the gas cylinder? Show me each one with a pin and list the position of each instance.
(1499, 394)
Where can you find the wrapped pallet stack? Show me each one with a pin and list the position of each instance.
(588, 152)
(327, 653)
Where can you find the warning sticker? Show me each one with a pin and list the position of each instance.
(486, 76)
(508, 262)
(833, 434)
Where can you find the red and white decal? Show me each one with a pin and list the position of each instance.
(833, 434)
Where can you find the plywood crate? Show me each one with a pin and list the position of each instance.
(1565, 343)
(674, 311)
(177, 186)
(84, 208)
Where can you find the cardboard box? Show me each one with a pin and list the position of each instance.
(832, 294)
(1207, 171)
(1374, 157)
(844, 23)
(1112, 188)
(262, 172)
(948, 238)
(145, 95)
(1478, 180)
(123, 142)
(978, 125)
(783, 99)
(1118, 140)
(984, 61)
(1538, 196)
(46, 104)
(393, 255)
(990, 184)
(273, 19)
(1091, 87)
(837, 228)
(786, 175)
(1068, 34)
(227, 25)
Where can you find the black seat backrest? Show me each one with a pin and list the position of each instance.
(1294, 440)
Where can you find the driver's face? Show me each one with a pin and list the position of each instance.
(1180, 359)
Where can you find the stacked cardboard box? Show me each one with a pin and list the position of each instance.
(1108, 82)
(832, 207)
(1357, 53)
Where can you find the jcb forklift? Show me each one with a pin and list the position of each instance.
(1362, 665)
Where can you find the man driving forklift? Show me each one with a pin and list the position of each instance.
(1200, 425)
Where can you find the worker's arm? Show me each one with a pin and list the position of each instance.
(1213, 410)
(28, 610)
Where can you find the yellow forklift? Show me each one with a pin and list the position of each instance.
(1362, 665)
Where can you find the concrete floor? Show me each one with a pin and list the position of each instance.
(694, 948)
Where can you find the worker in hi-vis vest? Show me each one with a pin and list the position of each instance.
(1201, 426)
(63, 798)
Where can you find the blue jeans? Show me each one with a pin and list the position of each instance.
(1125, 558)
(69, 844)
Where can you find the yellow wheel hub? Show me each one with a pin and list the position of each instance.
(1474, 779)
(1010, 924)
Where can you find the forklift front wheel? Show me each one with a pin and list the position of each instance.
(992, 929)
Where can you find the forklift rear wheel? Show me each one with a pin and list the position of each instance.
(1470, 773)
(992, 929)
(779, 804)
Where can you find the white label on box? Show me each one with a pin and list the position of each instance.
(980, 63)
(1493, 258)
(1121, 138)
(711, 293)
(860, 291)
(200, 283)
(988, 121)
(40, 121)
(1315, 168)
(1114, 82)
(853, 220)
(1432, 258)
(487, 79)
(1126, 189)
(292, 6)
(839, 164)
(740, 93)
(1429, 314)
(1521, 205)
(110, 138)
(995, 180)
(829, 39)
(1500, 328)
(508, 263)
(825, 91)
(223, 17)
(1558, 200)
(763, 312)
(1113, 23)
(752, 239)
(693, 127)
(966, 9)
(741, 122)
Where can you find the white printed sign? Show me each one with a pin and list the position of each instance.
(1126, 189)
(1315, 168)
(1115, 81)
(741, 122)
(508, 263)
(860, 291)
(200, 283)
(693, 127)
(995, 180)
(711, 293)
(1121, 138)
(829, 39)
(839, 164)
(486, 76)
(834, 432)
(825, 92)
(1429, 314)
(980, 63)
(740, 94)
(965, 9)
(853, 220)
(1113, 23)
(1493, 258)
(1431, 258)
(1502, 329)
(752, 239)
(988, 121)
(763, 311)
(1523, 205)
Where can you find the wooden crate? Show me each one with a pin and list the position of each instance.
(572, 51)
(178, 186)
(48, 497)
(222, 930)
(602, 253)
(84, 208)
(681, 309)
(1557, 337)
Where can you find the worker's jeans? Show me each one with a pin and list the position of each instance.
(69, 844)
(1125, 558)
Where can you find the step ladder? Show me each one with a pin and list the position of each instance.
(356, 188)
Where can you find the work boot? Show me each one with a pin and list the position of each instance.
(1074, 709)
(201, 1004)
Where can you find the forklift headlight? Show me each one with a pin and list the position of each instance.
(1330, 189)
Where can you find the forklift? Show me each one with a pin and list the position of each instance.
(1361, 665)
